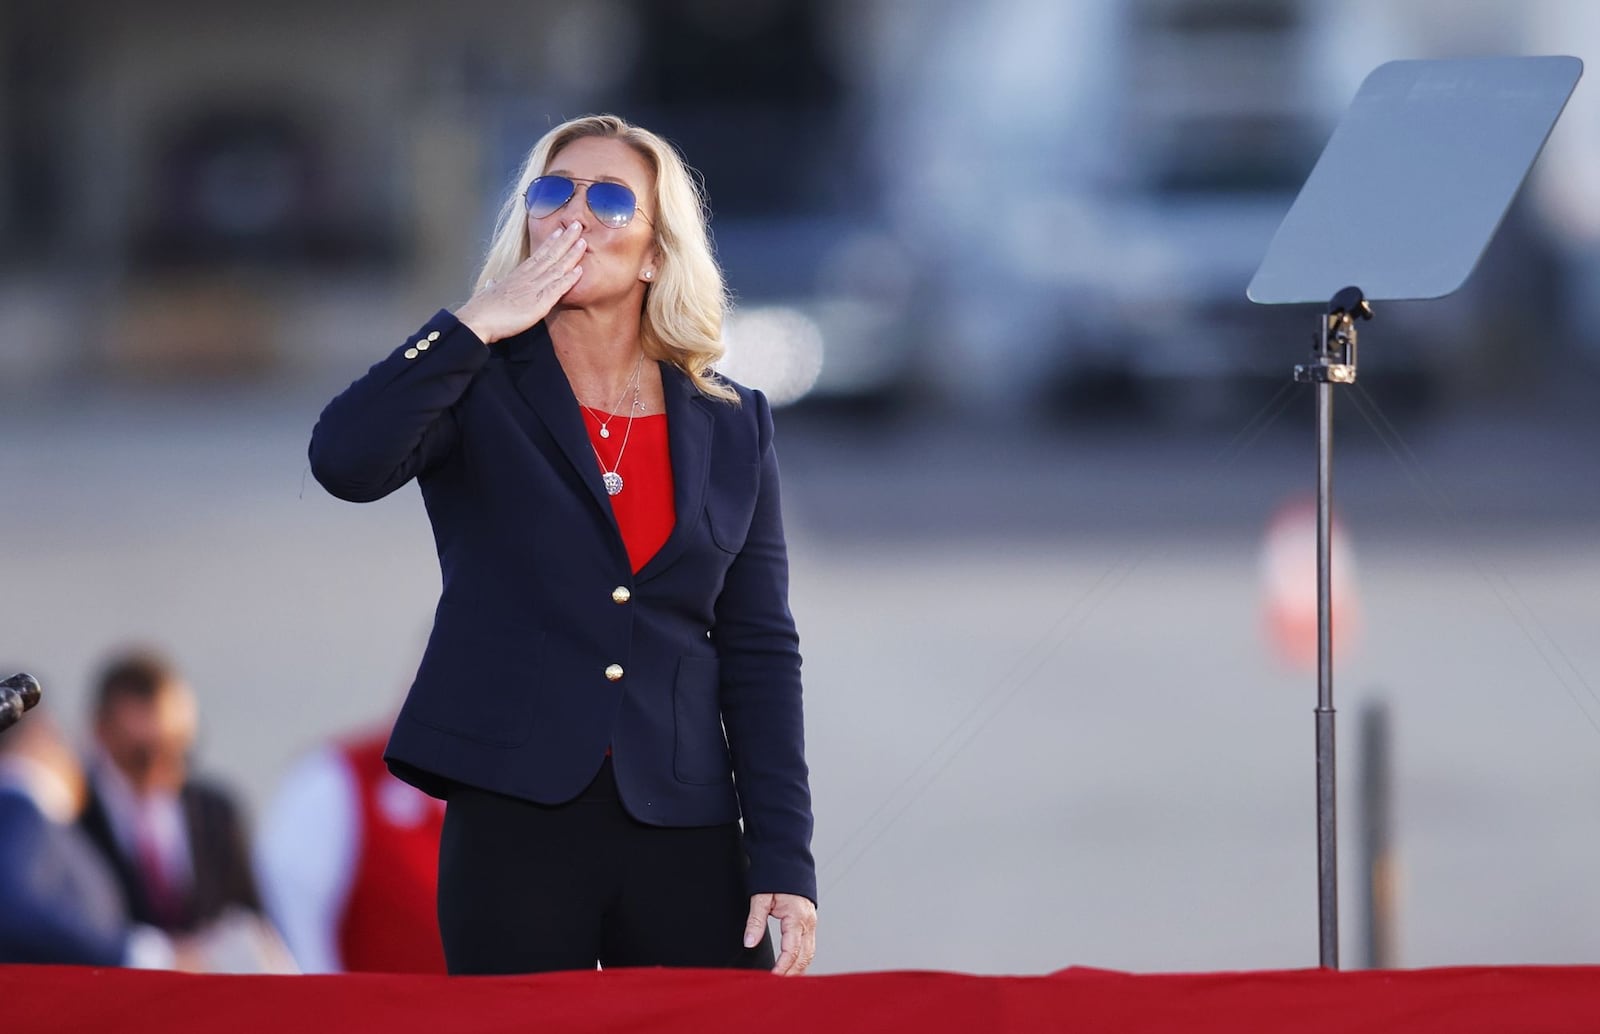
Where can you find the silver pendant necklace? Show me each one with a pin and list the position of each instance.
(605, 425)
(611, 479)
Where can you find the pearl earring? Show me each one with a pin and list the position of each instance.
(649, 273)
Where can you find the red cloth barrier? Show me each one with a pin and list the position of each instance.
(1550, 1000)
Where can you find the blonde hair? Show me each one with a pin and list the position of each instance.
(685, 304)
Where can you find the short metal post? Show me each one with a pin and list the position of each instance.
(1378, 865)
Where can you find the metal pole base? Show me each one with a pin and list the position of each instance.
(1327, 846)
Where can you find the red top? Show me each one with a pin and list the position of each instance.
(644, 510)
(390, 924)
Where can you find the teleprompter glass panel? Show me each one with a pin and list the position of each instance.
(1415, 179)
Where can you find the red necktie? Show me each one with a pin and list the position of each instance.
(165, 903)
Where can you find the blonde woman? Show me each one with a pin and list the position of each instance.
(613, 678)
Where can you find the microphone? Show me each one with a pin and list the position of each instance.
(19, 693)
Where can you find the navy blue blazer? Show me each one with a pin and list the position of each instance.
(546, 648)
(58, 902)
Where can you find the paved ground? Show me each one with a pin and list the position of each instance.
(1045, 725)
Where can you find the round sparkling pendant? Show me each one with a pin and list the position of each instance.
(613, 482)
(605, 432)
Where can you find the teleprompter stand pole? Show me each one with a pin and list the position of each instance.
(1334, 362)
(1403, 200)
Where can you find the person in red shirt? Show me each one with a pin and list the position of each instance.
(348, 861)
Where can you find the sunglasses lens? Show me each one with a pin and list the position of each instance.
(612, 203)
(547, 194)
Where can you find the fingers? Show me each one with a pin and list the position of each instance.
(553, 268)
(797, 948)
(756, 925)
(568, 259)
(798, 927)
(555, 246)
(558, 284)
(789, 955)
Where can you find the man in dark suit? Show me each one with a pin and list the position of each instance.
(59, 902)
(177, 845)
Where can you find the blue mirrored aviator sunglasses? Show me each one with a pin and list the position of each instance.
(612, 203)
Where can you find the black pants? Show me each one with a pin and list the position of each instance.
(528, 888)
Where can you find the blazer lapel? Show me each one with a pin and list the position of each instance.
(689, 424)
(543, 384)
(96, 822)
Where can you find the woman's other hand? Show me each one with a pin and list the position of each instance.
(503, 308)
(797, 924)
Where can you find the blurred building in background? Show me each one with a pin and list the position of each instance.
(1014, 204)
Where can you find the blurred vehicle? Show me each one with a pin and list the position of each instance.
(822, 309)
(1119, 198)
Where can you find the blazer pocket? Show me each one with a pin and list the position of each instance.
(731, 503)
(700, 753)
